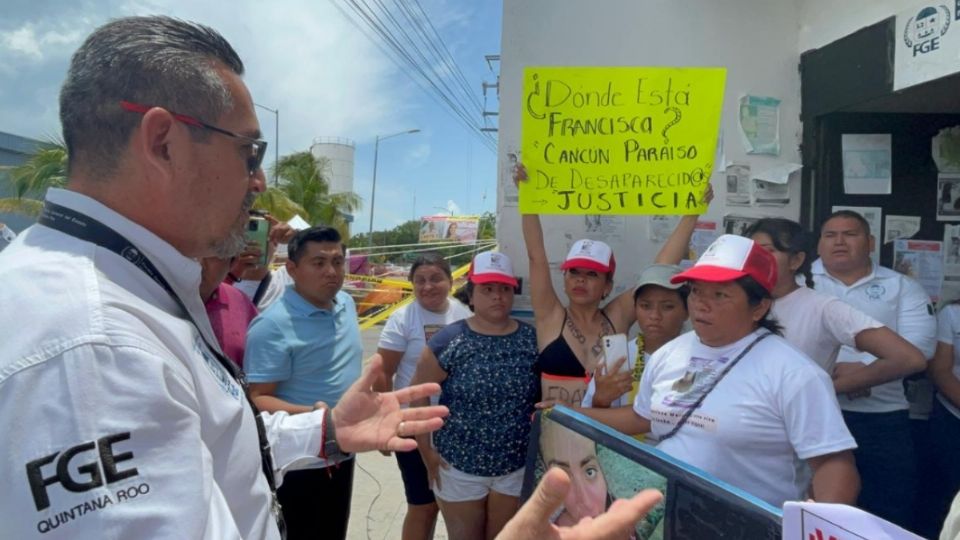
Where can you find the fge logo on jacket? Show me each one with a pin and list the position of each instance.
(99, 467)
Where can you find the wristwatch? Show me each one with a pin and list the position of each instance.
(331, 450)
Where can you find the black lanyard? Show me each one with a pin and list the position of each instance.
(88, 229)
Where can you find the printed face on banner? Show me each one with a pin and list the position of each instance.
(617, 140)
(598, 476)
(462, 229)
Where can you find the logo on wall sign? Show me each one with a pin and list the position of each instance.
(876, 291)
(923, 31)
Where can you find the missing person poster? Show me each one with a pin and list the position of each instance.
(604, 466)
(619, 140)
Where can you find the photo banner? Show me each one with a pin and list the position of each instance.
(619, 140)
(605, 465)
(462, 229)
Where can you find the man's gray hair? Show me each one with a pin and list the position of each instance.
(154, 61)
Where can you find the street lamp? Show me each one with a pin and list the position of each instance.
(373, 190)
(276, 141)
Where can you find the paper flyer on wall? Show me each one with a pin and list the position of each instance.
(874, 216)
(948, 197)
(867, 161)
(771, 186)
(760, 124)
(659, 228)
(738, 185)
(606, 228)
(945, 150)
(897, 227)
(950, 290)
(734, 224)
(770, 194)
(509, 189)
(923, 261)
(951, 250)
(704, 233)
(821, 521)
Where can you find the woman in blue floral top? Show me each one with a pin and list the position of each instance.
(484, 365)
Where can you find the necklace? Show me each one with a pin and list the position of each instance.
(597, 348)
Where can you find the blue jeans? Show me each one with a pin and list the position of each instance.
(885, 461)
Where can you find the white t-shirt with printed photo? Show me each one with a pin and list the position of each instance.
(408, 330)
(819, 324)
(772, 409)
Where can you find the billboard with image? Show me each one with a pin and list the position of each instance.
(461, 229)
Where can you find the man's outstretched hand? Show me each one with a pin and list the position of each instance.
(533, 518)
(367, 420)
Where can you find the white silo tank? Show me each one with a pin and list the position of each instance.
(339, 151)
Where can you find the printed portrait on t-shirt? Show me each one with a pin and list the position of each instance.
(430, 329)
(697, 379)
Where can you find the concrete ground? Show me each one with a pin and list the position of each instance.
(378, 505)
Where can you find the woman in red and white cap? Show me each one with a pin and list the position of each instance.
(570, 336)
(484, 365)
(733, 397)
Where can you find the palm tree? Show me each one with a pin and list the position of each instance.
(46, 168)
(303, 189)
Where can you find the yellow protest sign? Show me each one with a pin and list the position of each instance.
(619, 140)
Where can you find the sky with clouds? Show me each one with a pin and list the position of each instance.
(305, 58)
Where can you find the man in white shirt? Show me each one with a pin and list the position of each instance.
(879, 422)
(120, 417)
(120, 414)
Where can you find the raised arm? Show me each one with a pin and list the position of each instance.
(674, 250)
(542, 296)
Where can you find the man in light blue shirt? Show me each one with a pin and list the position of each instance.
(303, 349)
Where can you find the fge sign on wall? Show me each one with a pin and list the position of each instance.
(926, 43)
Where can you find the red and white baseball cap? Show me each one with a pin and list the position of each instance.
(491, 267)
(731, 257)
(592, 255)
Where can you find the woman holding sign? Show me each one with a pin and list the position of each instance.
(484, 365)
(733, 397)
(569, 338)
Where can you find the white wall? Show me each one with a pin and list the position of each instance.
(756, 40)
(825, 21)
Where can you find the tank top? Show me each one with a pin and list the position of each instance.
(558, 358)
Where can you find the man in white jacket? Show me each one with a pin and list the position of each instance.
(121, 417)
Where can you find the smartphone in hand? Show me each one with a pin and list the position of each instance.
(258, 232)
(614, 348)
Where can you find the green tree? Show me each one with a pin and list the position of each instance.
(29, 182)
(303, 189)
(487, 229)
